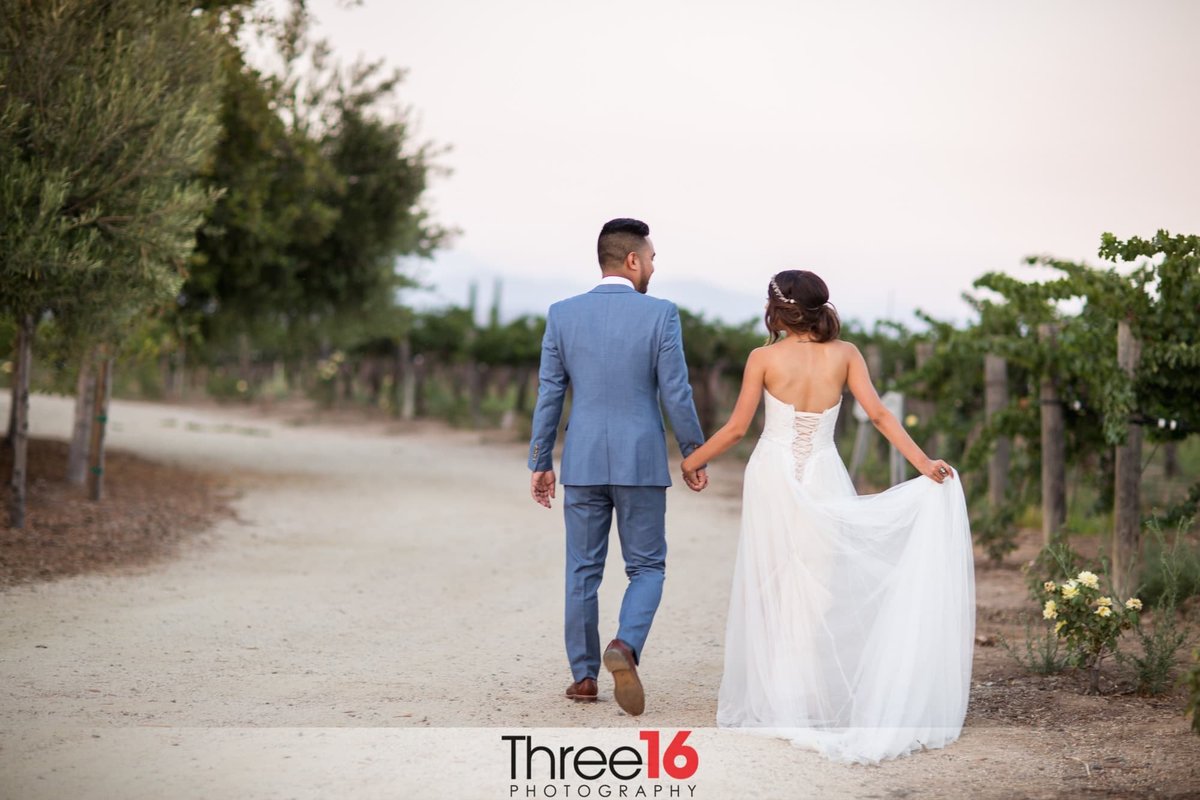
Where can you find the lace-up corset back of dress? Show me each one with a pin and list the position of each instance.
(805, 432)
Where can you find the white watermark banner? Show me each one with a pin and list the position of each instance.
(491, 763)
(557, 763)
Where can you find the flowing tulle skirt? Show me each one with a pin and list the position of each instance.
(852, 618)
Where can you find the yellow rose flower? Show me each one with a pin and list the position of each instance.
(910, 420)
(1069, 591)
(1058, 626)
(1049, 586)
(1104, 611)
(1133, 604)
(1104, 601)
(1089, 579)
(1050, 610)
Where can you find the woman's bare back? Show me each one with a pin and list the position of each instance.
(808, 375)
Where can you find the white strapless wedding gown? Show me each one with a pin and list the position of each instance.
(852, 618)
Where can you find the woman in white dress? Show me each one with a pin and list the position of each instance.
(851, 618)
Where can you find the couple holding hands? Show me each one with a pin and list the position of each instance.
(851, 617)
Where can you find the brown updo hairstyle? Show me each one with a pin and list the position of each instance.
(798, 300)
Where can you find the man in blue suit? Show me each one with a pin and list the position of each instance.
(621, 352)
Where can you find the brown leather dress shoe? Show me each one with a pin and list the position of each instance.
(618, 659)
(583, 691)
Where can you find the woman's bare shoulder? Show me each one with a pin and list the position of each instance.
(759, 354)
(848, 349)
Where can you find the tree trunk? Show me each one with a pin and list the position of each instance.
(1127, 514)
(348, 377)
(403, 379)
(244, 356)
(408, 397)
(19, 435)
(179, 373)
(1171, 459)
(896, 462)
(712, 380)
(523, 392)
(85, 389)
(702, 400)
(478, 378)
(374, 380)
(842, 423)
(512, 388)
(12, 411)
(103, 393)
(995, 372)
(418, 382)
(1054, 449)
(458, 379)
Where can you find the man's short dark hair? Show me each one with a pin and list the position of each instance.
(619, 238)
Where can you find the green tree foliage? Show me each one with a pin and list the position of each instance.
(715, 352)
(324, 195)
(106, 115)
(515, 344)
(244, 273)
(108, 111)
(443, 336)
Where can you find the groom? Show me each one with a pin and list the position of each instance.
(622, 352)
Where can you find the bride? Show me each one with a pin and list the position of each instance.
(852, 618)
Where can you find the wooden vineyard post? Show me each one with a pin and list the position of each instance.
(924, 409)
(995, 379)
(1054, 448)
(404, 381)
(1127, 514)
(896, 463)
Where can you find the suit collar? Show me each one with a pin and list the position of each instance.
(612, 288)
(617, 280)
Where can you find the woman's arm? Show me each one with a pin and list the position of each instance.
(859, 380)
(739, 421)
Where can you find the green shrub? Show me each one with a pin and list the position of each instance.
(1160, 648)
(1088, 621)
(1192, 681)
(1172, 571)
(1169, 567)
(1042, 651)
(224, 386)
(1054, 562)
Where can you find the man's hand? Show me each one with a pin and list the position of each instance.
(696, 479)
(541, 487)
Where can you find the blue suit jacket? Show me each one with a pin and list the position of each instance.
(621, 352)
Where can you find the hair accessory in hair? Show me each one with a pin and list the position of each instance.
(779, 293)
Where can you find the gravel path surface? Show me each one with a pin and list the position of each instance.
(387, 605)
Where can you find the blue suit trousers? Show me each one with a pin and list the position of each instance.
(641, 526)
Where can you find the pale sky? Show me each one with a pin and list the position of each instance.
(897, 149)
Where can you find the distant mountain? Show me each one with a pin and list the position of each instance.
(449, 278)
(451, 275)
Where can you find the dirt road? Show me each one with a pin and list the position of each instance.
(385, 607)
